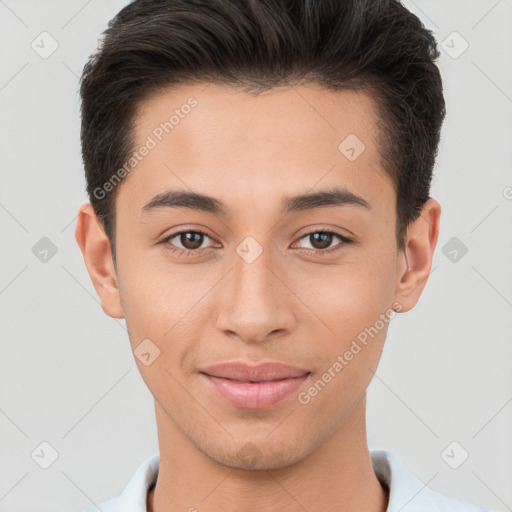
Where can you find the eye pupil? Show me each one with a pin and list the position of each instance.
(325, 240)
(191, 239)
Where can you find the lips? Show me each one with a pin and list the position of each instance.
(254, 373)
(254, 386)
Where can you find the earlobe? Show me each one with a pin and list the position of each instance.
(415, 261)
(95, 247)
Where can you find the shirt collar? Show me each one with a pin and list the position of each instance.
(406, 492)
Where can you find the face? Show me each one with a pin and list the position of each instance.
(293, 260)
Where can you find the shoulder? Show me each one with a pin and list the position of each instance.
(407, 493)
(133, 497)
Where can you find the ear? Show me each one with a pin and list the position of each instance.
(415, 260)
(95, 247)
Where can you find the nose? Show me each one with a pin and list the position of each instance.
(255, 304)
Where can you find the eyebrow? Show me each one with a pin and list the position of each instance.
(200, 202)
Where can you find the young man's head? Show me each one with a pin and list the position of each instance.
(259, 175)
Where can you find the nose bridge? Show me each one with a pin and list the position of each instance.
(254, 302)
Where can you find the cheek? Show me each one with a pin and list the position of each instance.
(168, 305)
(154, 293)
(349, 297)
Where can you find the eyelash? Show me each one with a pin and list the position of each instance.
(187, 252)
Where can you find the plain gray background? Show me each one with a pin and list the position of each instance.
(68, 377)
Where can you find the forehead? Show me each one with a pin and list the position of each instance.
(224, 114)
(283, 141)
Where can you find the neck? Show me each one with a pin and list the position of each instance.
(336, 477)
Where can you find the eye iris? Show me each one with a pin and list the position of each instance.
(325, 240)
(191, 240)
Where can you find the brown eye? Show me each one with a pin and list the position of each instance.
(186, 242)
(191, 239)
(321, 240)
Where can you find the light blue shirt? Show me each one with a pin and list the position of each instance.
(406, 492)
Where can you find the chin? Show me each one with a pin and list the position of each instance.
(257, 455)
